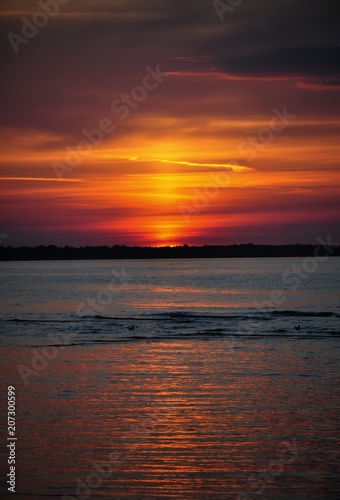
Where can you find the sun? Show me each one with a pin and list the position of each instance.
(166, 235)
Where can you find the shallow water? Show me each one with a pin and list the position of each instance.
(201, 407)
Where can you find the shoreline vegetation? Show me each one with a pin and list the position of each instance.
(248, 250)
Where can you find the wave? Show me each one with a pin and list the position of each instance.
(24, 320)
(234, 341)
(320, 314)
(186, 317)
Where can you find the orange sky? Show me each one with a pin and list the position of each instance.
(198, 155)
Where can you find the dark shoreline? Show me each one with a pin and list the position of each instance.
(249, 250)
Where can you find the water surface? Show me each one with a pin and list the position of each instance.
(211, 395)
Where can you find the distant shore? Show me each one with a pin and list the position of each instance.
(249, 250)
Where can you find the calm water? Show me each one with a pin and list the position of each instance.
(108, 301)
(176, 379)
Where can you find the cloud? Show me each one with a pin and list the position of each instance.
(320, 84)
(224, 81)
(212, 166)
(288, 61)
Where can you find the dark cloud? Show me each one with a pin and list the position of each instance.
(288, 61)
(67, 75)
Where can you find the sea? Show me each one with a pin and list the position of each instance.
(173, 379)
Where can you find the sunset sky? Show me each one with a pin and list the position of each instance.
(198, 153)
